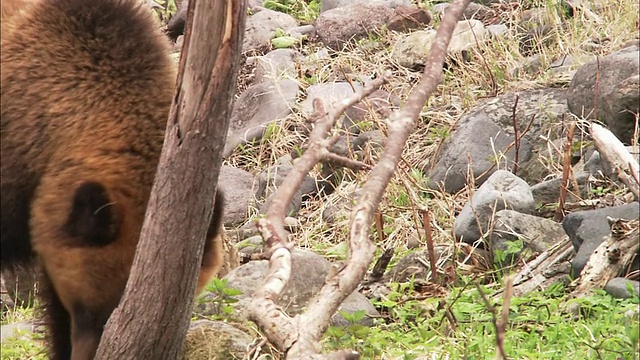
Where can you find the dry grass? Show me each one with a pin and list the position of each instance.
(494, 68)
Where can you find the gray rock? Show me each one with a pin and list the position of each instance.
(238, 186)
(332, 174)
(563, 66)
(333, 213)
(548, 192)
(292, 209)
(547, 105)
(277, 64)
(250, 245)
(618, 287)
(246, 230)
(377, 105)
(531, 65)
(371, 138)
(411, 50)
(537, 169)
(338, 26)
(271, 178)
(502, 190)
(598, 166)
(416, 266)
(20, 284)
(473, 11)
(285, 159)
(497, 30)
(534, 28)
(474, 141)
(332, 4)
(618, 97)
(588, 229)
(256, 108)
(328, 93)
(538, 234)
(261, 26)
(207, 339)
(300, 31)
(308, 275)
(538, 110)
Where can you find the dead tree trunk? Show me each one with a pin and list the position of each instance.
(153, 316)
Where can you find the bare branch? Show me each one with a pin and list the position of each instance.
(566, 171)
(426, 219)
(300, 337)
(501, 329)
(336, 159)
(362, 250)
(516, 136)
(277, 326)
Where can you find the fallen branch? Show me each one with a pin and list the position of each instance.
(300, 336)
(609, 259)
(617, 155)
(548, 268)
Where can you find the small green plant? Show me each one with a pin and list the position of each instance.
(305, 11)
(23, 346)
(349, 336)
(502, 257)
(164, 9)
(225, 296)
(283, 40)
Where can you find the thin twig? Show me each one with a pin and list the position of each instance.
(566, 171)
(517, 137)
(501, 326)
(426, 219)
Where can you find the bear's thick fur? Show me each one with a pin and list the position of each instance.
(86, 90)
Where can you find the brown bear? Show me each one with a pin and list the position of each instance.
(86, 90)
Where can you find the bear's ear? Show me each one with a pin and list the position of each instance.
(92, 219)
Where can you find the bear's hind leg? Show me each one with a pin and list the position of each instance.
(58, 321)
(213, 257)
(86, 331)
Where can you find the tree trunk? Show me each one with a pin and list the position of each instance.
(153, 316)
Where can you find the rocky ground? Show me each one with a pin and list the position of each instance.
(485, 162)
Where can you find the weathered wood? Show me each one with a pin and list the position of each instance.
(153, 316)
(617, 155)
(609, 259)
(547, 269)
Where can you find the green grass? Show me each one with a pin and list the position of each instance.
(24, 345)
(539, 328)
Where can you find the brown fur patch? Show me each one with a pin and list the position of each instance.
(86, 91)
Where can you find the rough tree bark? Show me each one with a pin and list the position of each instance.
(153, 316)
(300, 336)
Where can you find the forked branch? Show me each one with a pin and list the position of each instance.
(300, 336)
